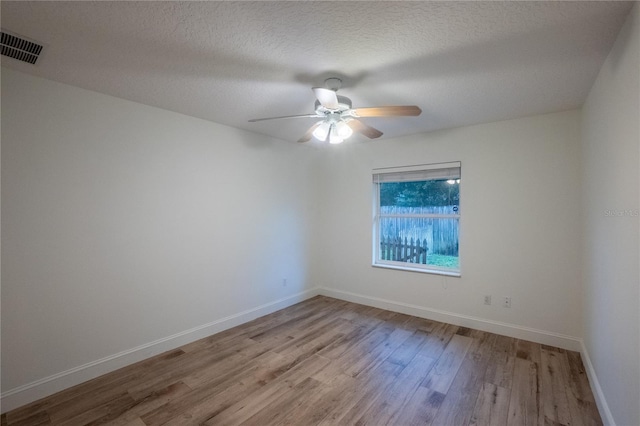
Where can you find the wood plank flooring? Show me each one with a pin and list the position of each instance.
(330, 362)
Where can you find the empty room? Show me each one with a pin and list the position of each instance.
(320, 213)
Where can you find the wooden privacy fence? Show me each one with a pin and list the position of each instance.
(403, 250)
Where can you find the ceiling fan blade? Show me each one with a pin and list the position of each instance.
(284, 116)
(368, 131)
(309, 134)
(388, 111)
(326, 97)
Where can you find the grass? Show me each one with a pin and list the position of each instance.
(443, 261)
(439, 260)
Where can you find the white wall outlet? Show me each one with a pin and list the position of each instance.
(487, 299)
(506, 302)
(284, 282)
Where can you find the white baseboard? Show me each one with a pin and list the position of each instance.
(505, 329)
(601, 402)
(33, 391)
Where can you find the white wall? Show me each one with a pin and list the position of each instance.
(611, 146)
(520, 206)
(123, 224)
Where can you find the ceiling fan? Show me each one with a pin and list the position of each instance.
(338, 120)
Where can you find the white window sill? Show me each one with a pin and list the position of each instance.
(422, 270)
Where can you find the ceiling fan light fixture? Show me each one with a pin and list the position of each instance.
(335, 131)
(343, 130)
(334, 136)
(322, 131)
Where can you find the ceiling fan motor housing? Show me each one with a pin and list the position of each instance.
(344, 104)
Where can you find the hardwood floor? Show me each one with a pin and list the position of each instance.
(327, 362)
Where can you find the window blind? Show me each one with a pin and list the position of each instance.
(417, 173)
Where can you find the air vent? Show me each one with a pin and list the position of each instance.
(19, 48)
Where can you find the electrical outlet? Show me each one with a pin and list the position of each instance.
(487, 299)
(284, 282)
(506, 302)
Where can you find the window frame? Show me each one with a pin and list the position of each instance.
(377, 217)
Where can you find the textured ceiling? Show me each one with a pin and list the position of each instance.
(461, 62)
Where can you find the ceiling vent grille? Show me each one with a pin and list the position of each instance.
(19, 48)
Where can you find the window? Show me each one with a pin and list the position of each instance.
(417, 218)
